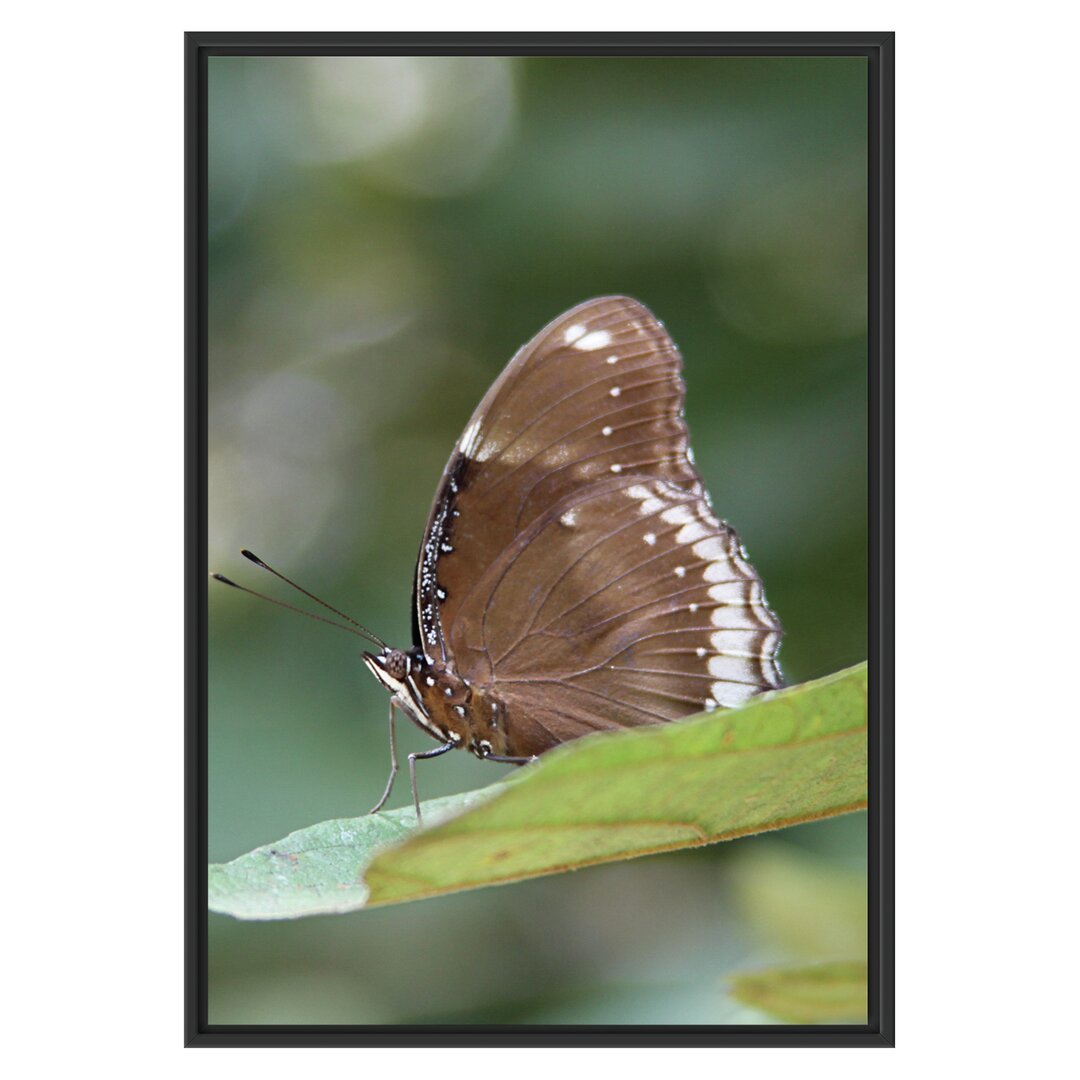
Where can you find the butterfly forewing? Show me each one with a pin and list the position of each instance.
(596, 393)
(571, 559)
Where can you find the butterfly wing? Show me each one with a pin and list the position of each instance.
(630, 603)
(571, 556)
(597, 388)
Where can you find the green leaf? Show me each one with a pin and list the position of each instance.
(782, 759)
(815, 994)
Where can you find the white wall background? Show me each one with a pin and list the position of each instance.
(91, 441)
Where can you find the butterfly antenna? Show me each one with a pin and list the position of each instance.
(290, 607)
(299, 611)
(311, 596)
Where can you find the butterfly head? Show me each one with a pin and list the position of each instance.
(402, 674)
(391, 667)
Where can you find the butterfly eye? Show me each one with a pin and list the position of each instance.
(396, 664)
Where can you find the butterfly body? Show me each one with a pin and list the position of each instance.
(442, 703)
(572, 576)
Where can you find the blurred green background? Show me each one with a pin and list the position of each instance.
(384, 233)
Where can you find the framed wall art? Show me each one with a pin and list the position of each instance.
(554, 372)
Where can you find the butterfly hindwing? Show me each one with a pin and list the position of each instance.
(653, 614)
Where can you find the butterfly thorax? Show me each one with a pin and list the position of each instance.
(441, 702)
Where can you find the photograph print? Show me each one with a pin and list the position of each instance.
(535, 442)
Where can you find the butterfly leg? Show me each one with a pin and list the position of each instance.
(393, 765)
(413, 759)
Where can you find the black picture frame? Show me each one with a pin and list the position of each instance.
(878, 48)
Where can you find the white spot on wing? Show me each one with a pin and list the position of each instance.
(569, 518)
(711, 549)
(614, 391)
(612, 359)
(677, 515)
(606, 430)
(616, 468)
(727, 590)
(734, 642)
(573, 333)
(469, 438)
(649, 504)
(718, 571)
(735, 616)
(731, 693)
(650, 538)
(680, 571)
(596, 340)
(691, 532)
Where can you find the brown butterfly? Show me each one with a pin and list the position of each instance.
(572, 576)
